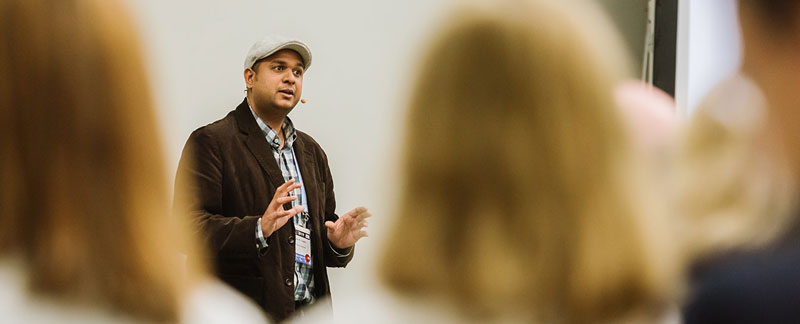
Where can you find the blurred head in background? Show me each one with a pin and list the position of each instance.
(649, 113)
(83, 198)
(520, 193)
(734, 185)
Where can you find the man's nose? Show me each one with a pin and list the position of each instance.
(289, 78)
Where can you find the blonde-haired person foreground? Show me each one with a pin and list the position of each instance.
(520, 201)
(85, 234)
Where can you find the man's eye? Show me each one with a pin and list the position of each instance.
(278, 68)
(298, 72)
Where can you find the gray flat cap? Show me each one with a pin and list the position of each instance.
(273, 43)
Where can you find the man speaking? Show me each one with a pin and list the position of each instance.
(262, 192)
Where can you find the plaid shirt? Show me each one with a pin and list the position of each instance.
(303, 274)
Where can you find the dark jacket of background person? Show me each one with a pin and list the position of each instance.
(756, 287)
(231, 169)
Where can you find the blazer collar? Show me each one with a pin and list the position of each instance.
(244, 118)
(257, 144)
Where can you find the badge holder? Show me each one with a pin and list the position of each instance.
(303, 240)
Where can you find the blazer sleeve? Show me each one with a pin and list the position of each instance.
(343, 257)
(198, 187)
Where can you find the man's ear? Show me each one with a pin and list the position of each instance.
(249, 77)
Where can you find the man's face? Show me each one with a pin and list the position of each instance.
(277, 82)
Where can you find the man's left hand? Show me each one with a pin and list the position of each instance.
(349, 228)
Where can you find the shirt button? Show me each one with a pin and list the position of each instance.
(291, 239)
(288, 282)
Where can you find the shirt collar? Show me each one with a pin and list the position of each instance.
(273, 139)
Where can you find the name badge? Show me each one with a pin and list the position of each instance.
(302, 238)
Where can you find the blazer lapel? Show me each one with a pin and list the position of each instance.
(257, 144)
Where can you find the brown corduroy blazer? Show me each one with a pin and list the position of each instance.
(232, 176)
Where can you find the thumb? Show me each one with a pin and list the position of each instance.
(331, 226)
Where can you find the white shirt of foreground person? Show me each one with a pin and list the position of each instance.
(211, 303)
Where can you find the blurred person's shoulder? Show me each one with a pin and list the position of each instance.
(214, 302)
(19, 305)
(210, 302)
(12, 293)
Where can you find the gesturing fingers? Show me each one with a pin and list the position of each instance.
(286, 188)
(285, 199)
(282, 194)
(364, 216)
(358, 213)
(289, 213)
(293, 211)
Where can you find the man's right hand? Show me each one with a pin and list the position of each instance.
(275, 216)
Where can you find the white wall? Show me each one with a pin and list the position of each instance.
(363, 56)
(709, 49)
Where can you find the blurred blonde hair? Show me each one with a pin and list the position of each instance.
(519, 188)
(84, 200)
(734, 187)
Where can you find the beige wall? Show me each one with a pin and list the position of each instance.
(630, 17)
